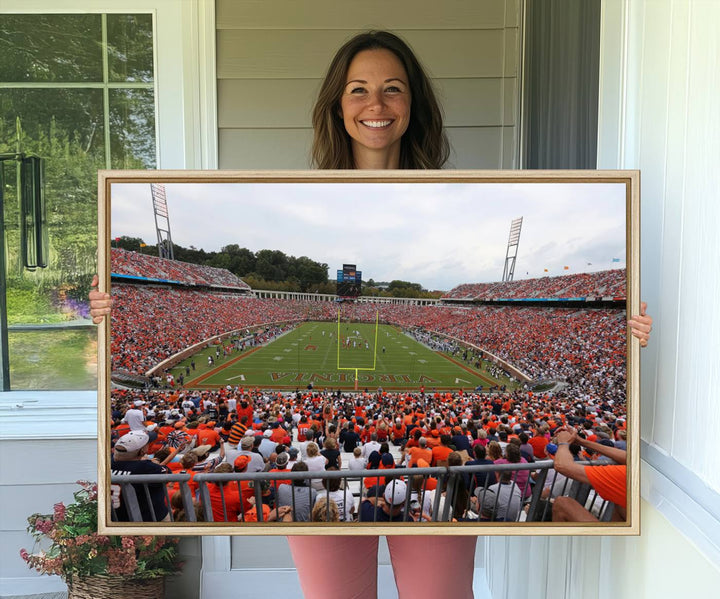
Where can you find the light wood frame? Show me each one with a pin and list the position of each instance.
(629, 178)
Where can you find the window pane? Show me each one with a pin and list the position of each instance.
(132, 128)
(52, 344)
(53, 116)
(50, 48)
(130, 47)
(65, 127)
(53, 359)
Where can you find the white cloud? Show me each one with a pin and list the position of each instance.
(437, 234)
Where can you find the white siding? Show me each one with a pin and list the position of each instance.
(271, 58)
(672, 134)
(660, 81)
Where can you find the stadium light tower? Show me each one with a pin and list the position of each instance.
(162, 219)
(512, 248)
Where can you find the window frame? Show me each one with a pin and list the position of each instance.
(185, 129)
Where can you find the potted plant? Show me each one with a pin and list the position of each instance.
(93, 565)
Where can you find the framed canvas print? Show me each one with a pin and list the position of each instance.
(369, 352)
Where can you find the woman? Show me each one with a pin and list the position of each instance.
(377, 110)
(315, 463)
(332, 454)
(342, 498)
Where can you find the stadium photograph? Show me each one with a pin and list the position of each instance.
(277, 346)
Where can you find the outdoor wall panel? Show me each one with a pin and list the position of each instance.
(280, 103)
(256, 53)
(354, 14)
(265, 148)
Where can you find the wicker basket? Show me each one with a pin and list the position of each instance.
(116, 587)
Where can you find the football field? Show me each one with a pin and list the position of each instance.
(330, 356)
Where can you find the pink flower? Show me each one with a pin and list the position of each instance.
(128, 543)
(59, 512)
(43, 526)
(121, 562)
(24, 555)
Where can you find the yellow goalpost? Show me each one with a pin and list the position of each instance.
(358, 368)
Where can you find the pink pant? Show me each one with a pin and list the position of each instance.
(331, 567)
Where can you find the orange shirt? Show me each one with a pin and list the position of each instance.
(279, 482)
(251, 514)
(538, 444)
(232, 502)
(278, 434)
(208, 436)
(416, 454)
(440, 454)
(610, 482)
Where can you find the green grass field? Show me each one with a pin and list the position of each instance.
(310, 354)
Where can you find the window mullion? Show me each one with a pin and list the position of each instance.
(106, 90)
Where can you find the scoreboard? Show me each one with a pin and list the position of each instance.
(349, 281)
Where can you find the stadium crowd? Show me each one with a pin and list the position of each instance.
(238, 430)
(124, 262)
(583, 347)
(607, 283)
(249, 430)
(150, 324)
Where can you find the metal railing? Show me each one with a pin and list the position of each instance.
(463, 493)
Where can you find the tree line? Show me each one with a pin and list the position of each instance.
(273, 269)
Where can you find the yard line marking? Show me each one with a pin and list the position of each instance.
(240, 376)
(277, 358)
(461, 381)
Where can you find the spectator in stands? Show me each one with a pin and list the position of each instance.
(389, 506)
(370, 446)
(331, 453)
(460, 440)
(480, 479)
(299, 493)
(206, 463)
(315, 463)
(357, 462)
(441, 452)
(522, 477)
(128, 458)
(349, 438)
(325, 511)
(609, 481)
(267, 446)
(526, 450)
(302, 445)
(342, 498)
(501, 502)
(257, 464)
(224, 497)
(135, 416)
(493, 450)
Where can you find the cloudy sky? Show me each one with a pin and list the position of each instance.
(436, 234)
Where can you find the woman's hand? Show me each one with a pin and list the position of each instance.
(100, 303)
(641, 325)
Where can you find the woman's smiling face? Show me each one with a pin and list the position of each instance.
(375, 106)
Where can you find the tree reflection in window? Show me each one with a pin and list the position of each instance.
(77, 90)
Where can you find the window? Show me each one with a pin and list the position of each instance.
(77, 90)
